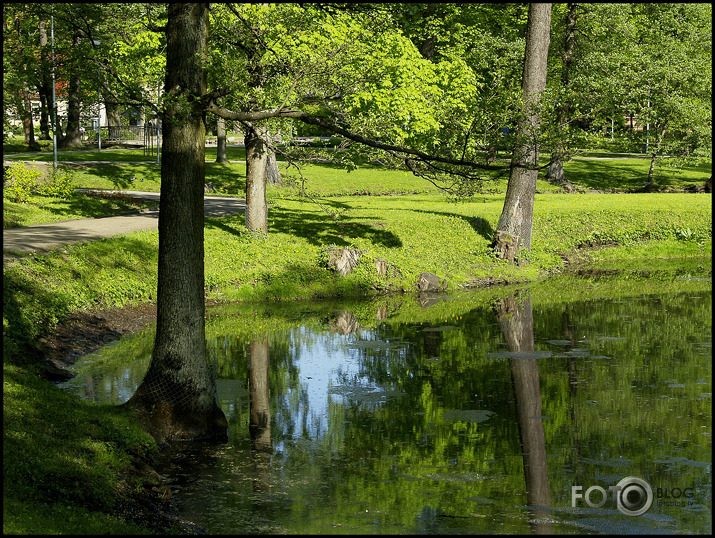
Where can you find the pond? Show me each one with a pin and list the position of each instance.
(508, 411)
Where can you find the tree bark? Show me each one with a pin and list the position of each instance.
(24, 107)
(256, 161)
(72, 138)
(513, 232)
(114, 116)
(221, 157)
(22, 97)
(273, 173)
(177, 398)
(44, 86)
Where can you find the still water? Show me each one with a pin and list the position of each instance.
(483, 413)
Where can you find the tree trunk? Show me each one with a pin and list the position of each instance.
(273, 173)
(256, 160)
(22, 96)
(221, 157)
(556, 174)
(113, 110)
(73, 138)
(24, 108)
(515, 224)
(177, 398)
(44, 114)
(44, 87)
(114, 120)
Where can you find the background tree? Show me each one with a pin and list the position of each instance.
(672, 90)
(19, 73)
(221, 156)
(564, 107)
(647, 72)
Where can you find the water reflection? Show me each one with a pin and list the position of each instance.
(517, 324)
(471, 415)
(260, 412)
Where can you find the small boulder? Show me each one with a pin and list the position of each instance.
(431, 282)
(381, 266)
(343, 260)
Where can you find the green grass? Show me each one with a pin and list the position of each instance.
(630, 174)
(43, 209)
(66, 463)
(413, 233)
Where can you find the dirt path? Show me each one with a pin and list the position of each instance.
(42, 238)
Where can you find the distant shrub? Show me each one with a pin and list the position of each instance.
(60, 185)
(22, 182)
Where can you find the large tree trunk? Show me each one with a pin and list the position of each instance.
(556, 174)
(515, 224)
(221, 157)
(114, 117)
(177, 398)
(256, 160)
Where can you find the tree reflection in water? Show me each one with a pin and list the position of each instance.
(260, 413)
(517, 324)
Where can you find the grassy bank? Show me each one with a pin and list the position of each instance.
(70, 466)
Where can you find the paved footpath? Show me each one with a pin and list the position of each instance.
(42, 238)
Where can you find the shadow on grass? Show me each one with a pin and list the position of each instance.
(478, 224)
(13, 215)
(90, 207)
(128, 176)
(233, 153)
(318, 228)
(631, 175)
(228, 179)
(608, 174)
(322, 229)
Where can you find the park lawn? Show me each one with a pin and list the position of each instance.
(601, 171)
(605, 174)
